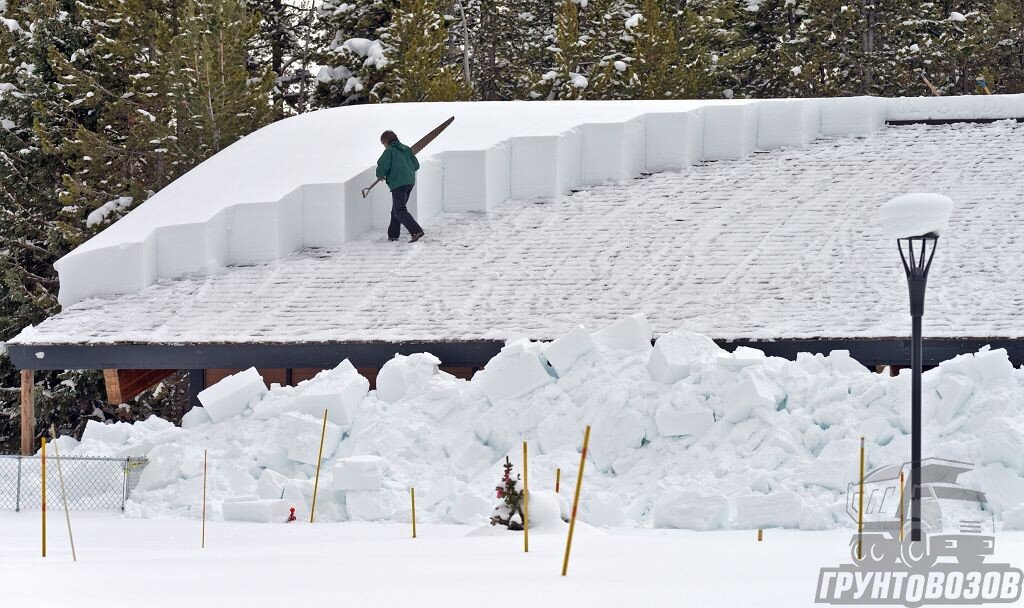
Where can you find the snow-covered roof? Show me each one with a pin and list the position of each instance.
(780, 244)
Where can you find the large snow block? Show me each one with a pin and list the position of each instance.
(843, 116)
(787, 123)
(678, 422)
(566, 350)
(955, 107)
(754, 392)
(260, 232)
(677, 353)
(673, 140)
(270, 485)
(476, 180)
(427, 197)
(111, 434)
(301, 434)
(630, 333)
(196, 248)
(780, 510)
(730, 131)
(330, 216)
(403, 372)
(570, 159)
(512, 374)
(612, 151)
(196, 416)
(127, 268)
(259, 511)
(374, 505)
(835, 466)
(340, 398)
(689, 510)
(230, 396)
(359, 473)
(538, 170)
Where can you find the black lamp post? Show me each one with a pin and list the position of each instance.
(917, 259)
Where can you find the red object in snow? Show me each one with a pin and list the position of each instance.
(291, 515)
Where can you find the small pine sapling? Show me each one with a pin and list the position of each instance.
(509, 512)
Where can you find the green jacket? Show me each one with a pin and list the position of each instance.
(398, 165)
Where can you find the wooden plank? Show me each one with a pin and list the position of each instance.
(28, 412)
(113, 384)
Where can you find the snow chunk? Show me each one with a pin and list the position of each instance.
(115, 435)
(99, 215)
(836, 465)
(692, 420)
(301, 434)
(631, 333)
(469, 509)
(563, 352)
(260, 511)
(674, 353)
(402, 373)
(955, 16)
(690, 510)
(229, 397)
(196, 416)
(271, 485)
(754, 392)
(915, 214)
(779, 510)
(359, 473)
(512, 374)
(370, 49)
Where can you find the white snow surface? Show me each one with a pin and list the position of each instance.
(776, 447)
(296, 183)
(915, 214)
(785, 243)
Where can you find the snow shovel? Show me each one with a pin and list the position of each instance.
(416, 147)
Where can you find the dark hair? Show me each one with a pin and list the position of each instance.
(388, 138)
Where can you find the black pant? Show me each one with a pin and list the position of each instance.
(400, 215)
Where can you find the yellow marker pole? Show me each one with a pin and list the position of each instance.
(860, 507)
(901, 506)
(63, 494)
(202, 544)
(558, 479)
(320, 456)
(576, 501)
(44, 495)
(526, 503)
(760, 535)
(412, 495)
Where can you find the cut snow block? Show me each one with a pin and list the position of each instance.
(730, 131)
(301, 433)
(260, 511)
(841, 116)
(677, 422)
(630, 333)
(196, 416)
(323, 214)
(612, 151)
(566, 350)
(191, 248)
(358, 210)
(993, 364)
(469, 509)
(955, 107)
(512, 374)
(835, 466)
(271, 485)
(790, 123)
(402, 372)
(674, 353)
(570, 159)
(340, 399)
(112, 434)
(374, 506)
(476, 180)
(674, 140)
(427, 196)
(535, 172)
(127, 268)
(230, 396)
(754, 392)
(359, 473)
(780, 510)
(689, 510)
(260, 232)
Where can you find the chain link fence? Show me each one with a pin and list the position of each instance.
(92, 483)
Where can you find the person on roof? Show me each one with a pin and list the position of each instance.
(397, 166)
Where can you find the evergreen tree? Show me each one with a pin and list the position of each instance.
(353, 57)
(510, 46)
(288, 42)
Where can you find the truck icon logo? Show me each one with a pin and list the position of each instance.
(947, 566)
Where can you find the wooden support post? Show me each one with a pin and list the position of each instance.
(28, 412)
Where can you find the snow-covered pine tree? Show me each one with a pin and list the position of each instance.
(215, 95)
(353, 57)
(417, 40)
(288, 42)
(775, 66)
(509, 49)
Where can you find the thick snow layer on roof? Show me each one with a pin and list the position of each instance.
(296, 183)
(781, 244)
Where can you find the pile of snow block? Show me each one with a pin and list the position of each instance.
(229, 397)
(360, 473)
(566, 350)
(255, 510)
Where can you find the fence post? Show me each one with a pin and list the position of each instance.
(124, 487)
(17, 499)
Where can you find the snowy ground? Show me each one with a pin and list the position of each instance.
(781, 244)
(159, 563)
